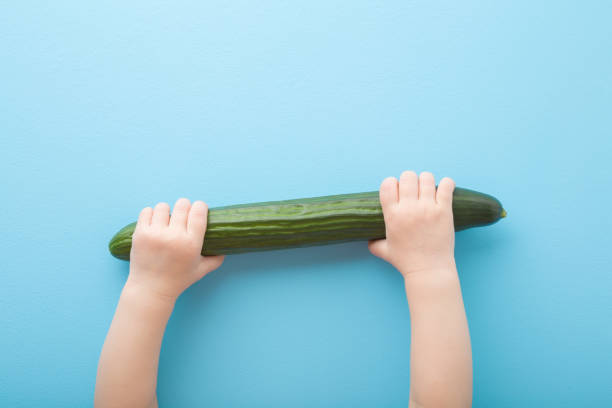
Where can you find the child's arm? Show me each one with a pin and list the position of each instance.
(420, 244)
(165, 260)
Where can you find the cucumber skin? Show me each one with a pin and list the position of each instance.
(305, 222)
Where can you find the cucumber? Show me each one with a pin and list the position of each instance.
(311, 221)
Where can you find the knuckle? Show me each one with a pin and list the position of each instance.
(428, 211)
(392, 221)
(194, 245)
(149, 238)
(420, 207)
(433, 213)
(422, 211)
(170, 241)
(390, 214)
(436, 213)
(157, 238)
(176, 245)
(136, 236)
(141, 233)
(409, 222)
(175, 235)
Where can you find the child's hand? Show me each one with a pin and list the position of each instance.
(420, 234)
(420, 243)
(166, 250)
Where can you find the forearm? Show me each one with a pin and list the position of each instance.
(127, 371)
(440, 353)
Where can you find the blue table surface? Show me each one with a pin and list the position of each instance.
(108, 107)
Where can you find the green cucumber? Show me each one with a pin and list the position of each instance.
(311, 221)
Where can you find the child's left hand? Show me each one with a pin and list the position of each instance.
(166, 258)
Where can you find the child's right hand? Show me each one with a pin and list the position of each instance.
(420, 234)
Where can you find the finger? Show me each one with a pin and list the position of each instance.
(427, 186)
(197, 219)
(378, 248)
(144, 219)
(444, 193)
(408, 186)
(389, 191)
(161, 214)
(178, 219)
(209, 264)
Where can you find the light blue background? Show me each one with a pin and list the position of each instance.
(107, 107)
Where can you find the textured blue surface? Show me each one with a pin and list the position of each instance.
(107, 107)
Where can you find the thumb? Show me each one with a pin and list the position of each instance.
(378, 248)
(209, 264)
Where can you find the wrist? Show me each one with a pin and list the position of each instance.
(429, 277)
(442, 266)
(429, 283)
(144, 295)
